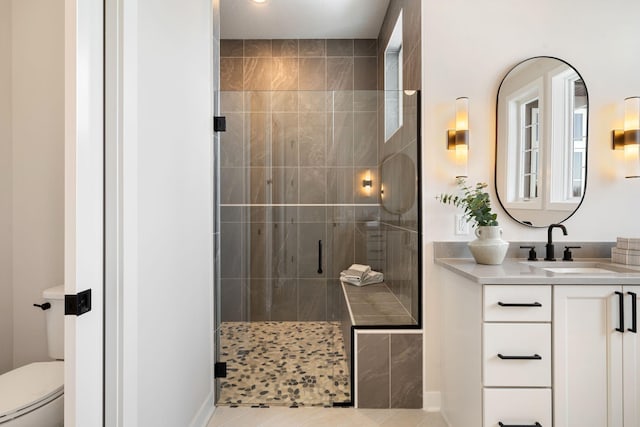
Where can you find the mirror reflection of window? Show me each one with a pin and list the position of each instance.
(530, 148)
(579, 146)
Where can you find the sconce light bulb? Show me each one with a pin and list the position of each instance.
(632, 113)
(462, 114)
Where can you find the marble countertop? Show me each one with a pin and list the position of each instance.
(519, 271)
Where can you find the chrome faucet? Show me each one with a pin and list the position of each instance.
(551, 256)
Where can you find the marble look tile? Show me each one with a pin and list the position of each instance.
(406, 371)
(257, 73)
(373, 372)
(376, 298)
(257, 101)
(258, 185)
(232, 214)
(286, 101)
(231, 74)
(232, 294)
(313, 74)
(311, 47)
(231, 48)
(365, 142)
(255, 48)
(284, 74)
(384, 320)
(312, 214)
(258, 260)
(340, 243)
(232, 246)
(231, 141)
(312, 299)
(365, 47)
(367, 213)
(231, 102)
(341, 100)
(365, 100)
(285, 299)
(340, 73)
(365, 73)
(284, 186)
(258, 132)
(284, 139)
(260, 306)
(313, 101)
(284, 255)
(308, 236)
(340, 185)
(339, 47)
(284, 48)
(312, 131)
(411, 76)
(378, 308)
(341, 214)
(313, 185)
(232, 183)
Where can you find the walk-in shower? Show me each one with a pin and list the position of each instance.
(300, 193)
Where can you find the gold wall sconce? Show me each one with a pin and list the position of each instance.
(458, 138)
(628, 139)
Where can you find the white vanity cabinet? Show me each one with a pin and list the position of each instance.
(596, 356)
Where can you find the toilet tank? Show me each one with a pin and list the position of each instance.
(55, 321)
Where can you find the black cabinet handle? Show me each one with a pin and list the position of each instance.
(45, 306)
(537, 424)
(534, 357)
(620, 311)
(319, 256)
(634, 313)
(513, 304)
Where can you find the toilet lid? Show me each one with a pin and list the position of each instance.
(28, 385)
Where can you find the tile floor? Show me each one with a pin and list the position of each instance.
(323, 417)
(283, 363)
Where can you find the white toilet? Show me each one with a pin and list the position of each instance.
(33, 395)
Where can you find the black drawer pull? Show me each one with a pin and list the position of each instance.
(517, 304)
(537, 424)
(534, 357)
(620, 311)
(634, 313)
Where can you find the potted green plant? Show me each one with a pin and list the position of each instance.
(488, 248)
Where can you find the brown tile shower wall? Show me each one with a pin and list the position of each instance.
(301, 129)
(389, 370)
(402, 256)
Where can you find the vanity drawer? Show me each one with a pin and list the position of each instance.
(517, 303)
(517, 354)
(517, 407)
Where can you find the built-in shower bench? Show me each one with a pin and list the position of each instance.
(375, 305)
(383, 343)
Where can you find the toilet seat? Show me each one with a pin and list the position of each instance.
(29, 387)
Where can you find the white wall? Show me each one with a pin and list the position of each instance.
(6, 253)
(37, 148)
(167, 212)
(468, 46)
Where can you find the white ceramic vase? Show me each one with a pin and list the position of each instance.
(488, 248)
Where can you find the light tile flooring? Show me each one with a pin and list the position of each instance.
(283, 363)
(323, 417)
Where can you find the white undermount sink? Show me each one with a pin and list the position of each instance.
(579, 267)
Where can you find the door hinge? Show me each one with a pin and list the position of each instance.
(78, 304)
(220, 370)
(219, 124)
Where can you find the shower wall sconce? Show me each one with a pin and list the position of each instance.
(458, 138)
(628, 139)
(367, 183)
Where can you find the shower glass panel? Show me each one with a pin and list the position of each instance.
(293, 205)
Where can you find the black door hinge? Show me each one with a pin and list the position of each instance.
(220, 124)
(220, 370)
(79, 304)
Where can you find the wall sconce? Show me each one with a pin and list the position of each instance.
(367, 183)
(458, 138)
(628, 139)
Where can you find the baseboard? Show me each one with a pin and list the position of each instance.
(205, 412)
(432, 400)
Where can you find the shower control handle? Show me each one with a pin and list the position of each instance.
(319, 256)
(45, 306)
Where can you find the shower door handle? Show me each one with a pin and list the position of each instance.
(319, 256)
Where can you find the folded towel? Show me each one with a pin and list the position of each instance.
(369, 278)
(356, 272)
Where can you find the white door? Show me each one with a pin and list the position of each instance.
(83, 209)
(587, 356)
(631, 358)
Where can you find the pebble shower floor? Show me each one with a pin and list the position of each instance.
(283, 363)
